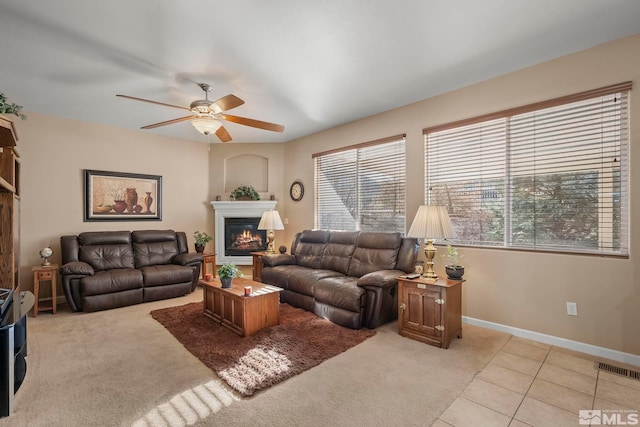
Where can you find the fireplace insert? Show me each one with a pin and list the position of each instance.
(241, 236)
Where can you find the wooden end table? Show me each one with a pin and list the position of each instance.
(43, 273)
(430, 311)
(257, 264)
(245, 315)
(208, 258)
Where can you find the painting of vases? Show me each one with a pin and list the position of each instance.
(115, 196)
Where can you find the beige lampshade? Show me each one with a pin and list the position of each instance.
(431, 222)
(270, 221)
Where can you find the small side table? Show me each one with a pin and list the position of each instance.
(257, 264)
(208, 258)
(43, 273)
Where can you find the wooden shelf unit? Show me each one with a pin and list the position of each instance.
(9, 206)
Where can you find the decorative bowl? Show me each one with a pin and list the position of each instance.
(103, 208)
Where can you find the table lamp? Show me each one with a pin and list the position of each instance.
(430, 223)
(270, 221)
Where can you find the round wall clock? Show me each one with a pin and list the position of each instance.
(296, 191)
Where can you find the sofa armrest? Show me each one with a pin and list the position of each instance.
(77, 267)
(381, 278)
(275, 260)
(188, 258)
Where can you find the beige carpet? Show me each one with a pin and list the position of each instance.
(122, 368)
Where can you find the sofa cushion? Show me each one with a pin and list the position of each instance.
(303, 280)
(310, 248)
(374, 251)
(159, 275)
(341, 292)
(105, 282)
(107, 257)
(91, 238)
(338, 251)
(153, 247)
(407, 254)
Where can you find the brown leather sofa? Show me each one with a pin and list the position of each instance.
(108, 269)
(349, 278)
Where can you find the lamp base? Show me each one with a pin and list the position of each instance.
(271, 236)
(429, 254)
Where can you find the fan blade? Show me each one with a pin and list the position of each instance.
(168, 122)
(253, 123)
(228, 102)
(153, 102)
(223, 135)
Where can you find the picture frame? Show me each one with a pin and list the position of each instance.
(121, 196)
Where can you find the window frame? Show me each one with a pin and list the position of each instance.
(507, 240)
(357, 151)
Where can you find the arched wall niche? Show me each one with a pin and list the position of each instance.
(246, 169)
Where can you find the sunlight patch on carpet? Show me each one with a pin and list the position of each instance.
(258, 367)
(188, 407)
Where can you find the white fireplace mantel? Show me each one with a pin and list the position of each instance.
(236, 209)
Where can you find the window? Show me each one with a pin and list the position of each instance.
(549, 176)
(361, 187)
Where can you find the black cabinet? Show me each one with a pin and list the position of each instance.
(13, 349)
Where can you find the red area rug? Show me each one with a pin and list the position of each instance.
(301, 341)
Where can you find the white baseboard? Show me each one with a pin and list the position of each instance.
(557, 341)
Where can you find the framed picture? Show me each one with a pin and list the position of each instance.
(118, 196)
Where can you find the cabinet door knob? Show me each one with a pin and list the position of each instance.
(440, 301)
(402, 306)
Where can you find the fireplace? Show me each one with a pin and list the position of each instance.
(241, 236)
(236, 230)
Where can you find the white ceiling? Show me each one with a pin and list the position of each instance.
(307, 64)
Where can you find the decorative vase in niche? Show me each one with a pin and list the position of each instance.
(131, 199)
(119, 206)
(147, 202)
(226, 283)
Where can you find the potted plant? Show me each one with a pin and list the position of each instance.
(245, 192)
(7, 107)
(454, 270)
(227, 272)
(201, 240)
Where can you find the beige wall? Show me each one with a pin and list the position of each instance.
(518, 289)
(54, 152)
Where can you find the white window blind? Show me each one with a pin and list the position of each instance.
(362, 187)
(551, 176)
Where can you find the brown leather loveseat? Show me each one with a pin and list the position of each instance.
(349, 278)
(108, 269)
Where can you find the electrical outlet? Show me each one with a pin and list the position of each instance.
(286, 221)
(572, 309)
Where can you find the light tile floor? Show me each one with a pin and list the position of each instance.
(533, 384)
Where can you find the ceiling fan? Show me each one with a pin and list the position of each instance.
(206, 115)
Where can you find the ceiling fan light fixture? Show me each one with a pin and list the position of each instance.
(206, 125)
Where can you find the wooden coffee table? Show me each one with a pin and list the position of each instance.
(243, 315)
